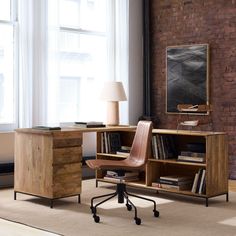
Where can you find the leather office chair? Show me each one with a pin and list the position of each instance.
(137, 159)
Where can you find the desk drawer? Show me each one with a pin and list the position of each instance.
(67, 142)
(67, 169)
(67, 184)
(67, 155)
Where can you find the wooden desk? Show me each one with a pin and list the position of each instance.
(48, 163)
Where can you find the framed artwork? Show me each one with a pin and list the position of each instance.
(187, 76)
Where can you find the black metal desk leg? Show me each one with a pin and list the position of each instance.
(206, 201)
(79, 200)
(15, 195)
(51, 203)
(227, 197)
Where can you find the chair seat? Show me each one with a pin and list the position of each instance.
(113, 165)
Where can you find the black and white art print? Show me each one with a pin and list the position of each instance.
(187, 75)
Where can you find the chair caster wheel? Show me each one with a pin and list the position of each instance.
(96, 218)
(156, 213)
(137, 221)
(129, 207)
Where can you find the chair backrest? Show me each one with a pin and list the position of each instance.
(141, 146)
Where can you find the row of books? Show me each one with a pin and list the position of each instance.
(118, 176)
(163, 146)
(192, 156)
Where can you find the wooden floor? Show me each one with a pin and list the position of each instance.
(232, 185)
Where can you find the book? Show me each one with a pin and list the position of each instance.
(114, 141)
(90, 124)
(199, 180)
(124, 179)
(177, 187)
(176, 183)
(192, 154)
(202, 181)
(121, 174)
(176, 178)
(126, 154)
(46, 127)
(190, 159)
(194, 186)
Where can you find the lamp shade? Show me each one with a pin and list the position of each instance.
(113, 91)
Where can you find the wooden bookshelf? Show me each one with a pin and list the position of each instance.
(215, 164)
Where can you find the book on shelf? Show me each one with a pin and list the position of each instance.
(176, 183)
(117, 180)
(199, 183)
(90, 124)
(202, 181)
(114, 141)
(121, 173)
(163, 147)
(41, 127)
(194, 186)
(176, 187)
(191, 159)
(110, 142)
(125, 154)
(176, 178)
(192, 156)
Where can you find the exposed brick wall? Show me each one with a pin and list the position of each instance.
(181, 22)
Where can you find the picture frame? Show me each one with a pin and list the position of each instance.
(187, 77)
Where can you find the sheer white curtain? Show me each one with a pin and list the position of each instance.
(42, 83)
(32, 62)
(118, 49)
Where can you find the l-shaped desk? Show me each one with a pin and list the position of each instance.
(48, 162)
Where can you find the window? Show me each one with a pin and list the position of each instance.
(7, 65)
(82, 59)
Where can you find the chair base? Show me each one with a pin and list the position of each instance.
(122, 195)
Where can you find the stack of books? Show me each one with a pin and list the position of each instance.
(192, 156)
(174, 182)
(90, 124)
(199, 183)
(125, 176)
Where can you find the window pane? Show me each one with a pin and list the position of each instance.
(84, 14)
(6, 74)
(83, 65)
(5, 10)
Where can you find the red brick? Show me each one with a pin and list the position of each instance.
(193, 22)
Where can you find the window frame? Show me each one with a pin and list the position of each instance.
(14, 23)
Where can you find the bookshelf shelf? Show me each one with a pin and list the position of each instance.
(176, 162)
(111, 155)
(215, 165)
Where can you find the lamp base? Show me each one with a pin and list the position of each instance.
(112, 113)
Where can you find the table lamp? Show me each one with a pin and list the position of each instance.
(113, 92)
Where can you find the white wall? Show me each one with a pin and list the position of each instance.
(7, 147)
(135, 61)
